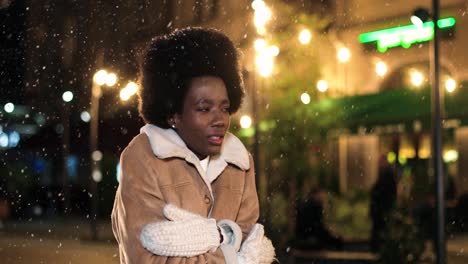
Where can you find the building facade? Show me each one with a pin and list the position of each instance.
(388, 54)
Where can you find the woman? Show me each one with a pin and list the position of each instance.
(187, 188)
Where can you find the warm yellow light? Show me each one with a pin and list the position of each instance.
(305, 98)
(407, 152)
(450, 85)
(111, 79)
(262, 16)
(264, 64)
(261, 31)
(322, 86)
(124, 94)
(96, 155)
(273, 50)
(132, 88)
(260, 45)
(245, 121)
(258, 4)
(417, 78)
(450, 156)
(128, 91)
(343, 55)
(100, 77)
(381, 68)
(424, 151)
(305, 36)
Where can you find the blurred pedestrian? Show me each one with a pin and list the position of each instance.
(311, 230)
(187, 186)
(383, 201)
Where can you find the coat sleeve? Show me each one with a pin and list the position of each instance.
(249, 208)
(138, 201)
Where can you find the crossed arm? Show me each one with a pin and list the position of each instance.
(186, 234)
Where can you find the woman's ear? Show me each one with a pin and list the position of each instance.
(172, 121)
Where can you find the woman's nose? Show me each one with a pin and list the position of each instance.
(219, 118)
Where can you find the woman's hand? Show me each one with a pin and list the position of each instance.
(257, 248)
(187, 234)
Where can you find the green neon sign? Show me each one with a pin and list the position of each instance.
(404, 36)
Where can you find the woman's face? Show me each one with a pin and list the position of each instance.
(205, 116)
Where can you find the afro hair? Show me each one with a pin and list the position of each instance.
(173, 60)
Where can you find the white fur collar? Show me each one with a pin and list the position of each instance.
(166, 143)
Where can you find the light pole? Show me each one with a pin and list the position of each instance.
(67, 97)
(422, 14)
(264, 67)
(100, 79)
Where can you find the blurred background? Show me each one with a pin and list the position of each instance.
(337, 116)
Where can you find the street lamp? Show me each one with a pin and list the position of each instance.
(381, 68)
(100, 78)
(261, 16)
(305, 36)
(343, 55)
(417, 78)
(9, 107)
(450, 85)
(128, 91)
(322, 86)
(423, 15)
(305, 98)
(245, 121)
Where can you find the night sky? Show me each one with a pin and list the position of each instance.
(12, 55)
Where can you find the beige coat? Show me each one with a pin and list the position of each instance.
(157, 168)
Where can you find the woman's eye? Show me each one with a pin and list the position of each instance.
(226, 109)
(203, 109)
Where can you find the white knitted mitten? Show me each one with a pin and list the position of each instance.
(257, 248)
(185, 234)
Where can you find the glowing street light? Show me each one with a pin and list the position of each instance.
(100, 77)
(111, 79)
(305, 36)
(273, 50)
(261, 16)
(85, 116)
(260, 45)
(128, 91)
(343, 55)
(381, 68)
(264, 59)
(417, 78)
(450, 85)
(9, 107)
(67, 96)
(305, 98)
(264, 65)
(322, 86)
(245, 121)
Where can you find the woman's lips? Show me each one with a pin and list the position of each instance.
(215, 140)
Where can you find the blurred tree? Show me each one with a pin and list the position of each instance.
(285, 119)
